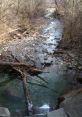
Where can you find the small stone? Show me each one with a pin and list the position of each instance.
(4, 112)
(57, 113)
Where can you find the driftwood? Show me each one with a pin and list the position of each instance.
(21, 67)
(59, 52)
(26, 93)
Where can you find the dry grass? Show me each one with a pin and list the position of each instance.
(20, 13)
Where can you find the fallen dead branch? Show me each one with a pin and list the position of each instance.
(21, 67)
(11, 31)
(59, 52)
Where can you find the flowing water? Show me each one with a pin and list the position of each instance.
(11, 95)
(52, 33)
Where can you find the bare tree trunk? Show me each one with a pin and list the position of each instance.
(0, 9)
(18, 8)
(56, 4)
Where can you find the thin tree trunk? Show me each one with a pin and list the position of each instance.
(25, 88)
(0, 9)
(18, 7)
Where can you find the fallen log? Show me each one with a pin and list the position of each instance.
(21, 67)
(14, 64)
(59, 52)
(26, 94)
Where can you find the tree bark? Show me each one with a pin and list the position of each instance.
(26, 95)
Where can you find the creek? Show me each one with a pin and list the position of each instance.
(11, 95)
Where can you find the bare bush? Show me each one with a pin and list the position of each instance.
(72, 15)
(20, 13)
(15, 13)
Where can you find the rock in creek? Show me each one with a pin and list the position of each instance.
(4, 112)
(57, 113)
(73, 103)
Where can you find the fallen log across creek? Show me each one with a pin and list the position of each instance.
(23, 69)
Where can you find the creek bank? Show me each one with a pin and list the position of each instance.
(72, 103)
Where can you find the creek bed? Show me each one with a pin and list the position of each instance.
(11, 95)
